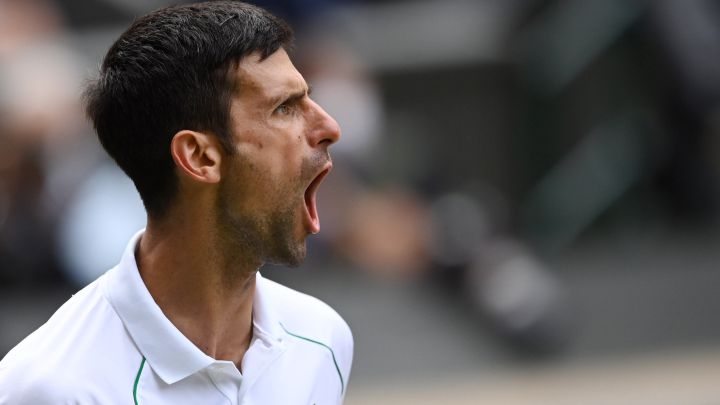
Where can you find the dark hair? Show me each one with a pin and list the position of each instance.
(168, 72)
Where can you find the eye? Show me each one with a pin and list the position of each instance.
(284, 109)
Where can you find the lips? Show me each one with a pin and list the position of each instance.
(312, 220)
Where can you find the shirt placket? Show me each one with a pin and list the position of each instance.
(227, 379)
(257, 360)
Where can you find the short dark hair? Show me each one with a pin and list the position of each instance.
(168, 72)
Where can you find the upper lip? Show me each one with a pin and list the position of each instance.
(324, 170)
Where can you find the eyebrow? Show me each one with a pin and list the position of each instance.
(292, 97)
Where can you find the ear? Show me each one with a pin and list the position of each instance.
(197, 155)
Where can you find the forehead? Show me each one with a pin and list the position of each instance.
(269, 78)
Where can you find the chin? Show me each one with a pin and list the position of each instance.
(290, 256)
(293, 263)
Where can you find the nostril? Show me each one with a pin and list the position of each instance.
(327, 134)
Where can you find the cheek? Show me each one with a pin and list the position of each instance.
(265, 180)
(278, 154)
(283, 164)
(274, 155)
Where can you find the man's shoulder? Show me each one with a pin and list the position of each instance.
(78, 317)
(80, 343)
(305, 315)
(59, 328)
(32, 387)
(309, 320)
(39, 385)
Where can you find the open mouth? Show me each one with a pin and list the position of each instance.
(313, 222)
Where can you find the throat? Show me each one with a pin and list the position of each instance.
(227, 346)
(221, 332)
(204, 289)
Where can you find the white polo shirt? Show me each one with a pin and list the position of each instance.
(111, 344)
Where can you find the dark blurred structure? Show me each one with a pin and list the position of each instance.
(617, 116)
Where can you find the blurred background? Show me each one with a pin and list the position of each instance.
(523, 210)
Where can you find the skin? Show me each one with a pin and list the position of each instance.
(235, 212)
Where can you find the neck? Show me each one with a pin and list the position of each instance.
(206, 293)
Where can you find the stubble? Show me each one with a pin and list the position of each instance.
(267, 234)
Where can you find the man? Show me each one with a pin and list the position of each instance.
(202, 108)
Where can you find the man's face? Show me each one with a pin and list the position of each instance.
(266, 205)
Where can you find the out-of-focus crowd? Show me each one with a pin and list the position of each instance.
(41, 131)
(477, 138)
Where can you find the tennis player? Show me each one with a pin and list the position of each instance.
(202, 108)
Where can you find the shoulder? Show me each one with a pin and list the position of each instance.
(305, 313)
(40, 385)
(308, 317)
(58, 331)
(85, 314)
(33, 386)
(61, 361)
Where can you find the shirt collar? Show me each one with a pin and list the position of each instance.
(170, 354)
(266, 324)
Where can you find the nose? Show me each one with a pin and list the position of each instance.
(325, 130)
